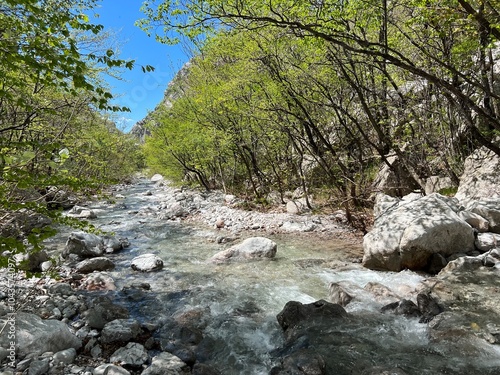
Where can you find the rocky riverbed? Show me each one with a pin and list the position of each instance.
(176, 289)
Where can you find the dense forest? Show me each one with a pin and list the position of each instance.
(56, 133)
(321, 94)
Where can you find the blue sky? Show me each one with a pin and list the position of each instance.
(139, 91)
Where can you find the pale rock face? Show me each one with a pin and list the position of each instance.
(487, 241)
(147, 263)
(489, 209)
(481, 177)
(408, 233)
(475, 221)
(156, 178)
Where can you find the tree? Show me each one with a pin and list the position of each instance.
(50, 92)
(379, 48)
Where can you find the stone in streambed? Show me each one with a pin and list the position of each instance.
(147, 263)
(251, 248)
(94, 264)
(35, 336)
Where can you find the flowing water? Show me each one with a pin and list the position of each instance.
(237, 303)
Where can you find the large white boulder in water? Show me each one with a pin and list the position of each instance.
(251, 248)
(147, 263)
(406, 234)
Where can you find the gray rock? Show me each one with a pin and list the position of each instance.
(380, 292)
(35, 336)
(490, 210)
(60, 198)
(120, 330)
(384, 203)
(112, 244)
(428, 306)
(167, 364)
(133, 354)
(63, 289)
(462, 265)
(39, 367)
(474, 220)
(436, 263)
(339, 295)
(480, 178)
(24, 364)
(82, 213)
(157, 177)
(104, 311)
(296, 206)
(487, 241)
(94, 264)
(251, 248)
(147, 263)
(84, 245)
(4, 353)
(394, 180)
(292, 226)
(407, 234)
(109, 369)
(65, 356)
(404, 307)
(296, 313)
(435, 184)
(45, 266)
(306, 360)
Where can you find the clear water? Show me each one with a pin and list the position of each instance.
(238, 302)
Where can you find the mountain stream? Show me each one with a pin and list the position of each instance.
(236, 304)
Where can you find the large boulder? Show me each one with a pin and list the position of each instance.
(251, 248)
(83, 245)
(480, 178)
(408, 233)
(35, 336)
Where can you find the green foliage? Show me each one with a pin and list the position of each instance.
(53, 132)
(287, 94)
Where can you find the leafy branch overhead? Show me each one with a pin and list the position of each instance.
(55, 135)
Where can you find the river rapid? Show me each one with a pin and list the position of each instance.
(235, 304)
